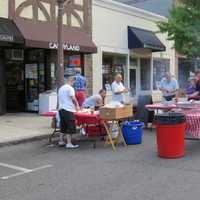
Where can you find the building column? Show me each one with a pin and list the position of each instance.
(88, 69)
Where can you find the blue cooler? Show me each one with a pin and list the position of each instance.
(132, 132)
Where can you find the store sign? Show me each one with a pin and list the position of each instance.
(6, 38)
(67, 47)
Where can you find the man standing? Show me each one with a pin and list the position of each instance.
(67, 106)
(169, 87)
(118, 89)
(80, 87)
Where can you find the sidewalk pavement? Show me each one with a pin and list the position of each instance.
(19, 127)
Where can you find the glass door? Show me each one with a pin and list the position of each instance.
(133, 76)
(14, 86)
(133, 82)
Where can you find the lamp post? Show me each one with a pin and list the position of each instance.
(60, 68)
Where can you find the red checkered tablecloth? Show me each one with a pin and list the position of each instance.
(193, 123)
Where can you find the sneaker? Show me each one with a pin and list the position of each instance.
(71, 146)
(61, 144)
(82, 131)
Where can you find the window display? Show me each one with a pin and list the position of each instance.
(71, 63)
(34, 78)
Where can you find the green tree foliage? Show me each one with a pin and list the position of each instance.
(183, 27)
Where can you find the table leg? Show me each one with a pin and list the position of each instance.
(109, 134)
(120, 134)
(52, 134)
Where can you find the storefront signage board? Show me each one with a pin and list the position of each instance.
(67, 47)
(6, 38)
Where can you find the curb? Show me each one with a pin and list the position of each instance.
(24, 140)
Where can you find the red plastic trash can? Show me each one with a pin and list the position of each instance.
(170, 140)
(170, 133)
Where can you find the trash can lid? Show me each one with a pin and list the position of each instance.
(133, 123)
(170, 118)
(170, 114)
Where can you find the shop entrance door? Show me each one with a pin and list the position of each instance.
(133, 76)
(14, 86)
(133, 82)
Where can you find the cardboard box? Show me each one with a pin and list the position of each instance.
(116, 113)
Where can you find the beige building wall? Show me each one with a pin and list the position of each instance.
(4, 8)
(110, 22)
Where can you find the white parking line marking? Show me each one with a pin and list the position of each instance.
(13, 175)
(14, 167)
(42, 167)
(22, 170)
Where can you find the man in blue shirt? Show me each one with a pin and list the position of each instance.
(169, 87)
(80, 87)
(95, 101)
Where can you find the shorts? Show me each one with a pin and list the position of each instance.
(67, 122)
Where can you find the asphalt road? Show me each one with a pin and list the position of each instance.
(133, 173)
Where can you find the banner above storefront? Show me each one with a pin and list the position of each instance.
(6, 38)
(66, 47)
(44, 35)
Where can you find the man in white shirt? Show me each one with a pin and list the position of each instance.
(118, 89)
(67, 106)
(169, 87)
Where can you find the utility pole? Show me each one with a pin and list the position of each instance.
(60, 68)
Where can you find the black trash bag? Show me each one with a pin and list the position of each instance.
(169, 118)
(142, 114)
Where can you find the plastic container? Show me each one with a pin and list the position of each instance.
(170, 132)
(132, 132)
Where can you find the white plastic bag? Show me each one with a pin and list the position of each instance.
(126, 98)
(114, 129)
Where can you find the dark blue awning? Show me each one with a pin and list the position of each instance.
(140, 38)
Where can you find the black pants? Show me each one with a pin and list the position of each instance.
(67, 122)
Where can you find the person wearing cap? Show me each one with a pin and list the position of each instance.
(118, 89)
(169, 87)
(67, 104)
(80, 87)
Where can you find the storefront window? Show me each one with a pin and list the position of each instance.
(34, 78)
(145, 73)
(160, 67)
(112, 64)
(71, 63)
(186, 68)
